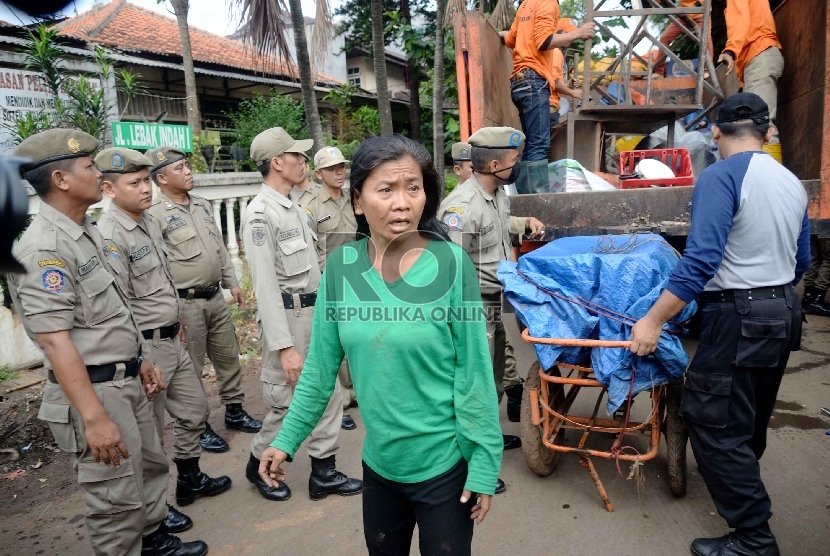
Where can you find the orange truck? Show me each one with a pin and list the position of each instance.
(484, 65)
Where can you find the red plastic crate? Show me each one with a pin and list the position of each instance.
(677, 159)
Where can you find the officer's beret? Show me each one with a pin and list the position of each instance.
(119, 160)
(53, 145)
(162, 156)
(461, 152)
(274, 142)
(497, 138)
(328, 157)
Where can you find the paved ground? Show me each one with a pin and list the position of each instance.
(559, 514)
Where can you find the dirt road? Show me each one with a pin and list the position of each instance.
(560, 514)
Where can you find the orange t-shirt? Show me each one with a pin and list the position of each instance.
(535, 22)
(558, 71)
(750, 30)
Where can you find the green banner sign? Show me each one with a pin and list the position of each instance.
(137, 135)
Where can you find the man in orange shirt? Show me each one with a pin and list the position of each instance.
(673, 30)
(565, 25)
(533, 39)
(752, 46)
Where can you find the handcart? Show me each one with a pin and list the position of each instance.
(545, 417)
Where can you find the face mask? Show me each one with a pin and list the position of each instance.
(515, 170)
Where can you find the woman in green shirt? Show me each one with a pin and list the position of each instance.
(403, 304)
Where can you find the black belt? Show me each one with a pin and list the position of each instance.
(165, 332)
(199, 293)
(755, 294)
(306, 300)
(524, 74)
(106, 373)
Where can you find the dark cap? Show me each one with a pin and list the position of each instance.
(53, 145)
(162, 156)
(743, 106)
(118, 160)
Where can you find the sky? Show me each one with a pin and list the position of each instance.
(211, 15)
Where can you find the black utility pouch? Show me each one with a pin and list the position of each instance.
(705, 398)
(762, 342)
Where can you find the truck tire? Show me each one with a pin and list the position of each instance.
(538, 457)
(676, 437)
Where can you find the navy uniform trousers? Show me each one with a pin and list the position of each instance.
(730, 391)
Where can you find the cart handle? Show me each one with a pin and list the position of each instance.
(575, 342)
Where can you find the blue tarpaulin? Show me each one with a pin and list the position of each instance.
(622, 274)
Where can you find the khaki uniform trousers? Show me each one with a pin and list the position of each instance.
(277, 393)
(183, 397)
(511, 373)
(497, 340)
(818, 275)
(761, 77)
(124, 503)
(210, 331)
(346, 384)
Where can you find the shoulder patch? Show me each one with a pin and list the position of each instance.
(139, 254)
(257, 221)
(51, 262)
(457, 210)
(453, 221)
(53, 280)
(258, 235)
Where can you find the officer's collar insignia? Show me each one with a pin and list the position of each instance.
(74, 146)
(325, 198)
(118, 161)
(515, 139)
(160, 156)
(168, 204)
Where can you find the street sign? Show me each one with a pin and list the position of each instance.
(137, 135)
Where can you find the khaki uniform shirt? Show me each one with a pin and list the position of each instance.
(279, 246)
(480, 222)
(305, 196)
(69, 285)
(198, 255)
(333, 221)
(148, 281)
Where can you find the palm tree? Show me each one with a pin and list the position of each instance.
(194, 119)
(384, 107)
(264, 31)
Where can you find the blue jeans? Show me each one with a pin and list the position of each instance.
(531, 96)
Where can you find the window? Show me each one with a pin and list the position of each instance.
(353, 71)
(354, 81)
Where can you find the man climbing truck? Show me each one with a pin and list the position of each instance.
(484, 67)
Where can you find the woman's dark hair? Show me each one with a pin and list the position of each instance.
(378, 150)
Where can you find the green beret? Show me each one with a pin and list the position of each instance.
(274, 142)
(162, 156)
(497, 138)
(119, 160)
(53, 145)
(461, 152)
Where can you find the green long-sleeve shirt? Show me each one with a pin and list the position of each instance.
(418, 354)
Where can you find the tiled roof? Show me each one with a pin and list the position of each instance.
(125, 26)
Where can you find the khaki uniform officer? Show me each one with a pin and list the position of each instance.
(332, 220)
(72, 306)
(155, 303)
(199, 261)
(477, 213)
(279, 246)
(306, 191)
(462, 165)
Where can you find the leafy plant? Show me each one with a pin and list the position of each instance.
(6, 375)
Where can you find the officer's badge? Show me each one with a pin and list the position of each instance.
(308, 216)
(333, 151)
(112, 251)
(258, 235)
(453, 221)
(117, 161)
(515, 139)
(160, 156)
(74, 147)
(465, 153)
(168, 205)
(54, 281)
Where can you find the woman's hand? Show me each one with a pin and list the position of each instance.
(269, 466)
(481, 508)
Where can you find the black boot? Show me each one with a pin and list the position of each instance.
(514, 403)
(279, 493)
(813, 302)
(212, 442)
(192, 483)
(325, 480)
(511, 442)
(175, 522)
(237, 418)
(165, 544)
(757, 541)
(500, 486)
(348, 423)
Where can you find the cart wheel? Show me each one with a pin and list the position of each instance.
(539, 458)
(676, 437)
